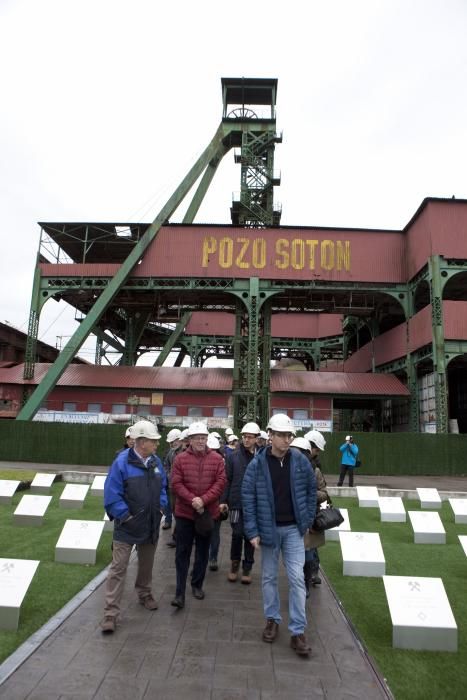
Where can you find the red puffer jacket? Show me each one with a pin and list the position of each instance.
(200, 475)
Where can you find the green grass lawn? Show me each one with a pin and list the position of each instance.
(54, 584)
(410, 674)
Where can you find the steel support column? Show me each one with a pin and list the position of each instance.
(33, 327)
(439, 364)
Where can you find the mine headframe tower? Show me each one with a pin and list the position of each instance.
(249, 126)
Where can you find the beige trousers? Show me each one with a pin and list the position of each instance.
(117, 573)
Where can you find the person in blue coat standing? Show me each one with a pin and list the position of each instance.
(135, 496)
(349, 454)
(279, 506)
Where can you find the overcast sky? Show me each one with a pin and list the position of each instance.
(106, 104)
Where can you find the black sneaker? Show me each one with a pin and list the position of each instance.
(213, 565)
(178, 602)
(197, 592)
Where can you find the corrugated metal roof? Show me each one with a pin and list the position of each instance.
(213, 379)
(167, 378)
(337, 383)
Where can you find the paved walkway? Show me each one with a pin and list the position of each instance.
(210, 650)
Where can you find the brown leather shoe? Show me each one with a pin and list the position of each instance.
(232, 576)
(270, 632)
(246, 577)
(149, 603)
(300, 645)
(108, 625)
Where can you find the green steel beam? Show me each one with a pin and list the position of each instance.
(69, 351)
(33, 326)
(204, 185)
(172, 340)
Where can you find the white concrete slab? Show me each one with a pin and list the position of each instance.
(31, 510)
(367, 496)
(73, 495)
(362, 554)
(97, 486)
(429, 498)
(78, 541)
(42, 483)
(15, 578)
(463, 541)
(392, 509)
(427, 527)
(108, 524)
(421, 615)
(459, 507)
(333, 534)
(7, 490)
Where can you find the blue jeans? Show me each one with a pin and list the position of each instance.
(293, 555)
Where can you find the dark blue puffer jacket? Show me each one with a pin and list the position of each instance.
(258, 499)
(132, 488)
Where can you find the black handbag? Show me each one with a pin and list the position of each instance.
(327, 518)
(204, 523)
(358, 463)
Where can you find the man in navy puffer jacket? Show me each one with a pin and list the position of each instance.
(135, 494)
(279, 506)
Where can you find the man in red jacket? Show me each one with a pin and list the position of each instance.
(198, 480)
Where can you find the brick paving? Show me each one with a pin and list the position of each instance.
(211, 650)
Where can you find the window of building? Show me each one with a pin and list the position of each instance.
(69, 406)
(275, 411)
(142, 410)
(169, 410)
(94, 407)
(195, 411)
(119, 408)
(219, 412)
(300, 414)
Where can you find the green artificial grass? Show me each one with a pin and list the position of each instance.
(410, 674)
(54, 584)
(17, 474)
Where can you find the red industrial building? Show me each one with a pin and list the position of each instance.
(375, 319)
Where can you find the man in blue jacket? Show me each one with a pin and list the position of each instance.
(349, 454)
(135, 495)
(279, 506)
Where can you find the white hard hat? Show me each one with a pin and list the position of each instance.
(317, 438)
(228, 431)
(184, 434)
(216, 435)
(263, 435)
(301, 443)
(197, 428)
(128, 432)
(232, 438)
(173, 434)
(252, 428)
(348, 437)
(213, 442)
(281, 423)
(145, 429)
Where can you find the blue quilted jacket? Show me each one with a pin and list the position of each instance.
(258, 499)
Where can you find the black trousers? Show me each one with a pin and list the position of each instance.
(238, 541)
(184, 538)
(344, 470)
